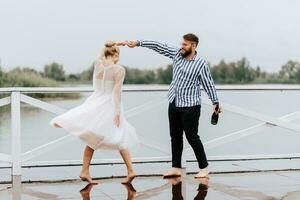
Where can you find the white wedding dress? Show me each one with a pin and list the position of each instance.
(92, 121)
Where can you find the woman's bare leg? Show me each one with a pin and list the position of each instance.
(130, 171)
(85, 171)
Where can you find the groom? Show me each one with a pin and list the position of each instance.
(189, 72)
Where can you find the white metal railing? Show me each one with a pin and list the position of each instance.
(17, 159)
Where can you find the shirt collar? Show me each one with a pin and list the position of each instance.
(195, 56)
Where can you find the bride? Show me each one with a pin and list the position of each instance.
(99, 122)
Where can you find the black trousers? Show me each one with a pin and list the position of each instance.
(185, 119)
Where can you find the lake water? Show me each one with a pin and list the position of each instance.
(152, 125)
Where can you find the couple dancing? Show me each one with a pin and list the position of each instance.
(100, 123)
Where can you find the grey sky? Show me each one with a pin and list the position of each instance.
(71, 32)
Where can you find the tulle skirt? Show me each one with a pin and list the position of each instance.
(92, 122)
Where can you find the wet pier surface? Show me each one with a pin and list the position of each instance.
(262, 185)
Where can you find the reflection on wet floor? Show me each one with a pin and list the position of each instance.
(260, 186)
(85, 192)
(175, 182)
(177, 188)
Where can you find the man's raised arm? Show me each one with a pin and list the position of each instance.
(161, 48)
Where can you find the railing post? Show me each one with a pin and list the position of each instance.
(16, 137)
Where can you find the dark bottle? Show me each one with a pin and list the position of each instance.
(215, 116)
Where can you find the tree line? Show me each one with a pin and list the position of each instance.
(235, 72)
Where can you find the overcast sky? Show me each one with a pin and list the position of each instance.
(72, 32)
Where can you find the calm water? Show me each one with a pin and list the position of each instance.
(152, 124)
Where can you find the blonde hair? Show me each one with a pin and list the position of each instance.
(111, 49)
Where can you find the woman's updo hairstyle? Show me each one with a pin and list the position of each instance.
(111, 49)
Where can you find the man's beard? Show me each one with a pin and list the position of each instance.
(186, 53)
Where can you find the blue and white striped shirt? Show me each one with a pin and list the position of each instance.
(188, 75)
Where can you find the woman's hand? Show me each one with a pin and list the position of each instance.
(121, 43)
(117, 120)
(132, 43)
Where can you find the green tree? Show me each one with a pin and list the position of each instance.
(223, 72)
(164, 76)
(290, 71)
(73, 77)
(87, 75)
(3, 79)
(243, 71)
(55, 71)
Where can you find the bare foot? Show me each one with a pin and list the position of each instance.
(203, 173)
(173, 172)
(88, 178)
(56, 125)
(129, 178)
(174, 180)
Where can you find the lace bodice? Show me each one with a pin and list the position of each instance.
(109, 80)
